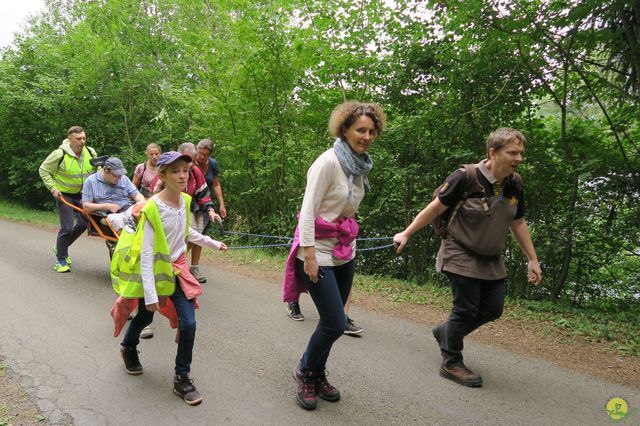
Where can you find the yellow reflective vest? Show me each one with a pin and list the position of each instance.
(70, 178)
(126, 275)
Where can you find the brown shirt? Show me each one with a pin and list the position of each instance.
(477, 252)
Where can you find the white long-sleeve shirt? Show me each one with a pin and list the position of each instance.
(326, 196)
(173, 223)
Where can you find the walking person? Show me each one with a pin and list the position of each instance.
(63, 173)
(321, 260)
(145, 173)
(209, 168)
(201, 207)
(481, 203)
(161, 281)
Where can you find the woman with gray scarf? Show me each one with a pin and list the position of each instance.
(321, 260)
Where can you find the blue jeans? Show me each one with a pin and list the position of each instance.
(475, 302)
(329, 295)
(72, 224)
(186, 325)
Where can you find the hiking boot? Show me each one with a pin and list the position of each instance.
(183, 387)
(324, 389)
(305, 388)
(351, 329)
(146, 333)
(67, 259)
(461, 375)
(195, 271)
(61, 266)
(437, 333)
(131, 361)
(293, 308)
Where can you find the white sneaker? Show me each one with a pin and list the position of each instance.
(147, 333)
(195, 271)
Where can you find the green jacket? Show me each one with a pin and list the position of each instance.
(63, 171)
(126, 275)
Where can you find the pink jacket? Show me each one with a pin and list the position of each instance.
(345, 229)
(122, 307)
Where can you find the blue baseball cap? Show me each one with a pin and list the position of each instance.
(170, 157)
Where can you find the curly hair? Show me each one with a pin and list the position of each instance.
(345, 114)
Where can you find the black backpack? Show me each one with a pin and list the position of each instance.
(471, 187)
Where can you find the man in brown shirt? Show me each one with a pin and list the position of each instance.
(471, 252)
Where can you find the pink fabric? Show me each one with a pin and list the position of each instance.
(123, 307)
(345, 229)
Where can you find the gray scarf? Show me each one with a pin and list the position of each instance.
(353, 164)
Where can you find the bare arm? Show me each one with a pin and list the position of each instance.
(520, 231)
(217, 190)
(105, 207)
(139, 198)
(425, 217)
(136, 180)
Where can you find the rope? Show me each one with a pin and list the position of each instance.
(376, 248)
(290, 240)
(244, 234)
(259, 246)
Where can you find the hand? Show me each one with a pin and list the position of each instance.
(311, 269)
(113, 208)
(56, 193)
(223, 247)
(400, 240)
(154, 307)
(534, 273)
(223, 212)
(213, 215)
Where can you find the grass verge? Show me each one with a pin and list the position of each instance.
(618, 330)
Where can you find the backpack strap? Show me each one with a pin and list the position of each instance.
(144, 169)
(471, 186)
(92, 152)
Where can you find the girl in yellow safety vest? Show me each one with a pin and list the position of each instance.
(167, 285)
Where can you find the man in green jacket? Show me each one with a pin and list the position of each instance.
(63, 173)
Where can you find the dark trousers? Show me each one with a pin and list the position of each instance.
(329, 295)
(475, 302)
(72, 224)
(186, 326)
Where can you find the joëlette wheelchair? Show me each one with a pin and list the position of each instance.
(97, 223)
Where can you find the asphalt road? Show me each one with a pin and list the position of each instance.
(55, 330)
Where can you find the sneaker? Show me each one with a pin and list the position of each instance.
(131, 361)
(195, 271)
(68, 259)
(293, 308)
(146, 333)
(461, 375)
(305, 388)
(351, 329)
(324, 389)
(184, 388)
(61, 266)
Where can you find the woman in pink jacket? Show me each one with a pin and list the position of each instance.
(322, 257)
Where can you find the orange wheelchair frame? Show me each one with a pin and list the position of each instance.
(97, 226)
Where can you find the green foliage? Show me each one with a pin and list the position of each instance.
(261, 78)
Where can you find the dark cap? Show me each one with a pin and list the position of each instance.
(169, 157)
(115, 165)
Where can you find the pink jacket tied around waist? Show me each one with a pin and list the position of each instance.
(345, 229)
(122, 307)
